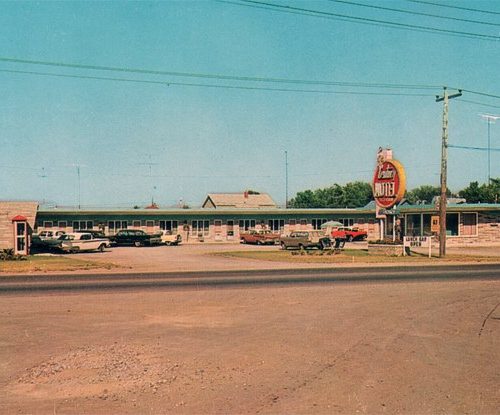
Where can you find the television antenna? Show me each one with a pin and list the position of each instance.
(490, 120)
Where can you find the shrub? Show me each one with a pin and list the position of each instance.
(386, 242)
(8, 255)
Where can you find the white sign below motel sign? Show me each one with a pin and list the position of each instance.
(418, 242)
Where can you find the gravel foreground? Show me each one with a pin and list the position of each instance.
(416, 347)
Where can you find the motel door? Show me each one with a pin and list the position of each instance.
(20, 237)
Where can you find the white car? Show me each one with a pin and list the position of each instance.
(82, 242)
(168, 238)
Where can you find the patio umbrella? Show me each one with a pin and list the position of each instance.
(331, 224)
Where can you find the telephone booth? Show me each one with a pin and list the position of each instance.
(21, 241)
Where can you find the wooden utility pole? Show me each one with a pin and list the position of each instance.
(444, 167)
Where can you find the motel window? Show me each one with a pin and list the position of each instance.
(169, 225)
(200, 227)
(62, 224)
(276, 225)
(116, 225)
(452, 224)
(303, 223)
(136, 224)
(79, 225)
(230, 228)
(292, 223)
(469, 224)
(426, 224)
(247, 224)
(47, 224)
(150, 223)
(413, 226)
(316, 223)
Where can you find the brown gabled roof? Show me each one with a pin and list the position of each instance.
(238, 200)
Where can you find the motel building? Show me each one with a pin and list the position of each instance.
(223, 217)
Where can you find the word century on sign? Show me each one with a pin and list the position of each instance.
(389, 183)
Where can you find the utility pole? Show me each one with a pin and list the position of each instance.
(444, 167)
(286, 179)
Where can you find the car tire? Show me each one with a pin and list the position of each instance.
(137, 244)
(350, 238)
(243, 241)
(101, 248)
(283, 246)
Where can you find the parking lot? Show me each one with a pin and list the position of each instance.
(199, 257)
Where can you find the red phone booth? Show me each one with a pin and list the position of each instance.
(21, 241)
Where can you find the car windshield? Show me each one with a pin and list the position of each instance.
(67, 237)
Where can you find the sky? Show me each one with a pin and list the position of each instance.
(149, 131)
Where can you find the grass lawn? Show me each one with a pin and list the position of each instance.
(46, 263)
(358, 256)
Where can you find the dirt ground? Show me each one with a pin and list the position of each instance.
(426, 348)
(198, 257)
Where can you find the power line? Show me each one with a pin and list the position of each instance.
(365, 20)
(484, 94)
(250, 88)
(218, 76)
(478, 103)
(473, 148)
(413, 12)
(453, 7)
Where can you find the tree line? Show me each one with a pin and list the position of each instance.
(359, 194)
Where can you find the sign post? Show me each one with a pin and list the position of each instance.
(389, 185)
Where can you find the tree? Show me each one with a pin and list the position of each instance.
(486, 193)
(356, 194)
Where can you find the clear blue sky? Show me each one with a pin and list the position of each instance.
(205, 139)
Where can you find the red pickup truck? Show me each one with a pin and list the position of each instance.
(350, 234)
(259, 237)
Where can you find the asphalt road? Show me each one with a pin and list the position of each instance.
(37, 283)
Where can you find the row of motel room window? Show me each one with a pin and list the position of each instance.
(457, 224)
(197, 227)
(415, 225)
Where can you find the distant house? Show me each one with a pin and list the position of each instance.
(252, 200)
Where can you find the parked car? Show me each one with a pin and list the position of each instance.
(97, 234)
(135, 237)
(50, 235)
(261, 237)
(45, 241)
(168, 238)
(81, 242)
(305, 239)
(350, 234)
